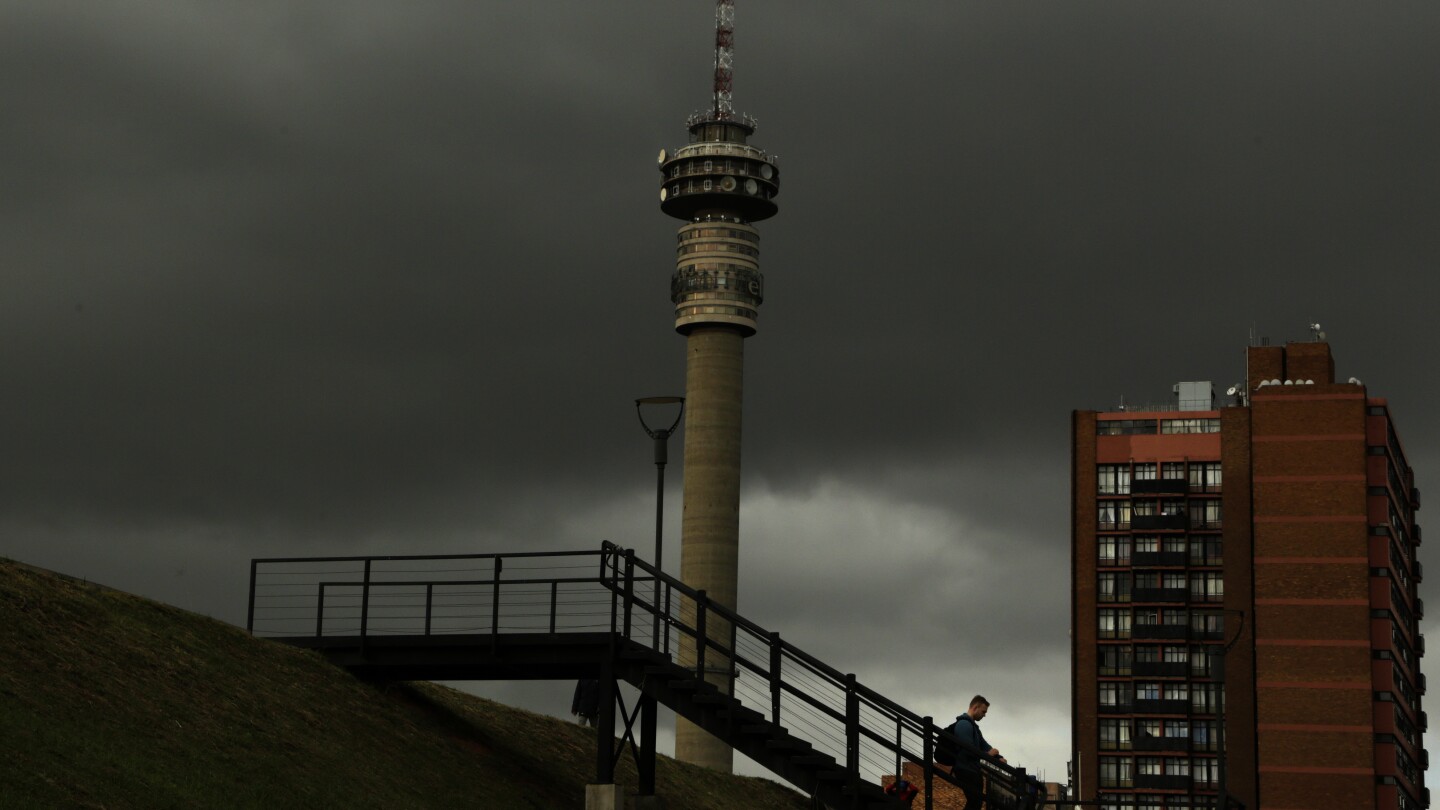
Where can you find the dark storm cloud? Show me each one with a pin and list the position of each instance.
(288, 277)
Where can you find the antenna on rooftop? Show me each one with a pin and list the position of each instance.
(1315, 330)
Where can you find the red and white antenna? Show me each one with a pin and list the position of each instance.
(724, 57)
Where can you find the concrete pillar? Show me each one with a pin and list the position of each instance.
(604, 797)
(710, 524)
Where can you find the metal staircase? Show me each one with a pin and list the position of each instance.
(608, 614)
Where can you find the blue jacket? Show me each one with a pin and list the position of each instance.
(969, 733)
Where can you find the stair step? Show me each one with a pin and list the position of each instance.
(740, 714)
(816, 759)
(640, 654)
(760, 729)
(709, 697)
(788, 743)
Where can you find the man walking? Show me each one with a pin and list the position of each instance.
(967, 760)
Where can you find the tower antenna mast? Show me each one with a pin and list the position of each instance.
(724, 58)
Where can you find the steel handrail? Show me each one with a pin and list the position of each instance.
(1016, 778)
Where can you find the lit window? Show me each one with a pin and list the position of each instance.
(1113, 479)
(1114, 735)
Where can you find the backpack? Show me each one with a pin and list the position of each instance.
(902, 790)
(945, 749)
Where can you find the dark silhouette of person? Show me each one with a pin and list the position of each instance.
(586, 703)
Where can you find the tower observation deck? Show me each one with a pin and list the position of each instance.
(719, 185)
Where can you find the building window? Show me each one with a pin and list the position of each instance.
(1147, 616)
(1114, 659)
(1176, 617)
(1146, 801)
(1113, 514)
(1205, 772)
(1205, 513)
(1114, 623)
(1115, 772)
(1113, 550)
(1145, 471)
(1147, 653)
(1112, 587)
(1207, 586)
(1111, 801)
(1124, 427)
(1204, 476)
(1206, 698)
(1147, 766)
(1144, 507)
(1177, 730)
(1176, 655)
(1113, 479)
(1147, 579)
(1147, 543)
(1200, 662)
(1116, 695)
(1173, 581)
(1208, 624)
(1176, 691)
(1202, 735)
(1177, 766)
(1114, 735)
(1147, 691)
(1174, 544)
(1173, 470)
(1205, 550)
(1146, 729)
(1189, 425)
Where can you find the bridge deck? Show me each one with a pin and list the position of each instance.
(470, 656)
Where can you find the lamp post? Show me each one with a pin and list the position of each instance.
(661, 437)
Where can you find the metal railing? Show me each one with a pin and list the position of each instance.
(612, 590)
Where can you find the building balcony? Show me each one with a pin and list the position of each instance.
(1160, 486)
(1117, 708)
(1145, 742)
(1157, 781)
(1161, 669)
(1162, 706)
(1160, 631)
(1159, 558)
(1141, 523)
(1172, 595)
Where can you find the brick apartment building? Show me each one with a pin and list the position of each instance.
(1279, 533)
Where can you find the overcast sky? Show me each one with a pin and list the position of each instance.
(301, 277)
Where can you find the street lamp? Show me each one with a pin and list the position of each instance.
(661, 436)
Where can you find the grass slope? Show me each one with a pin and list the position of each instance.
(108, 700)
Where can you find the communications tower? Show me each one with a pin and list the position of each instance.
(718, 185)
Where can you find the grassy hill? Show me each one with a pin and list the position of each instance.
(108, 700)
